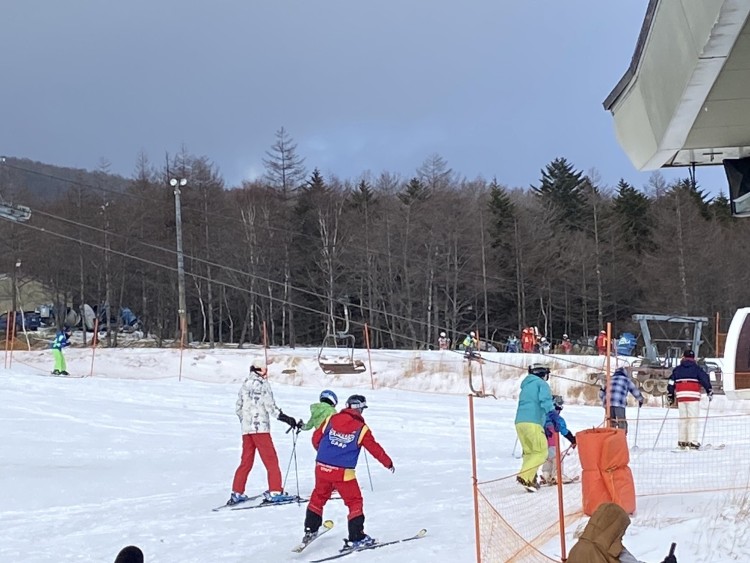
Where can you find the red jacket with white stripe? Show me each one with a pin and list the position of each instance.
(686, 381)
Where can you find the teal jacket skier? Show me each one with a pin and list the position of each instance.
(61, 341)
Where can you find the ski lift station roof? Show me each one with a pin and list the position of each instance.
(685, 100)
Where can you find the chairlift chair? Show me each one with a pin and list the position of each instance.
(342, 344)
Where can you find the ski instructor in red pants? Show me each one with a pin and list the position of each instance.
(339, 441)
(255, 406)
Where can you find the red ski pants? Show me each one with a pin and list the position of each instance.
(264, 444)
(328, 479)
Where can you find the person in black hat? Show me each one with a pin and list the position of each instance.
(684, 388)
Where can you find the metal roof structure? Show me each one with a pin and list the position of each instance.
(685, 98)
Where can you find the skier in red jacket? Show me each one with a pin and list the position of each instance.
(339, 441)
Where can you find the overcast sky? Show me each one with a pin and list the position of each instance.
(496, 87)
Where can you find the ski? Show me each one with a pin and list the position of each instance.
(343, 553)
(249, 499)
(63, 376)
(566, 481)
(245, 506)
(327, 525)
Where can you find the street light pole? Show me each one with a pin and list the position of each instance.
(182, 307)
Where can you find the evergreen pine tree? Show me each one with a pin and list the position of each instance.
(633, 211)
(561, 193)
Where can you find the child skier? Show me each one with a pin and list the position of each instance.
(339, 441)
(551, 425)
(62, 340)
(322, 410)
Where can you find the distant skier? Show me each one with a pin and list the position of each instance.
(62, 340)
(321, 410)
(444, 343)
(554, 424)
(566, 345)
(512, 345)
(471, 344)
(602, 345)
(544, 345)
(527, 340)
(255, 404)
(622, 384)
(339, 441)
(684, 388)
(534, 405)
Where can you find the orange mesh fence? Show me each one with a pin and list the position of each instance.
(515, 525)
(660, 467)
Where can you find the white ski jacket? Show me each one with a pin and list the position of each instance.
(255, 405)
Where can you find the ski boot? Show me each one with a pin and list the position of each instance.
(365, 541)
(276, 496)
(236, 498)
(56, 372)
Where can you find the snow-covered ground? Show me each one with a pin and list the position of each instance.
(134, 456)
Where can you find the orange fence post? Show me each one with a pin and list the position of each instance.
(369, 356)
(10, 329)
(474, 480)
(608, 367)
(560, 504)
(94, 342)
(716, 335)
(7, 337)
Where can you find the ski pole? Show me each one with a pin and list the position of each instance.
(293, 457)
(367, 463)
(637, 419)
(705, 423)
(662, 426)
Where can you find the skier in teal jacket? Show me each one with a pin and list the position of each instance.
(534, 403)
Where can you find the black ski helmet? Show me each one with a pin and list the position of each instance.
(357, 402)
(558, 401)
(329, 397)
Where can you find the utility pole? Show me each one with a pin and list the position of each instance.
(182, 307)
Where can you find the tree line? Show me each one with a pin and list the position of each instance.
(409, 257)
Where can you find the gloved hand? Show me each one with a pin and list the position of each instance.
(670, 400)
(392, 469)
(670, 559)
(286, 419)
(711, 395)
(640, 403)
(554, 417)
(300, 424)
(571, 438)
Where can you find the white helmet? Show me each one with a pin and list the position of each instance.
(565, 335)
(442, 334)
(472, 334)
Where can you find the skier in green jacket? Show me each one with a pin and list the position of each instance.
(319, 412)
